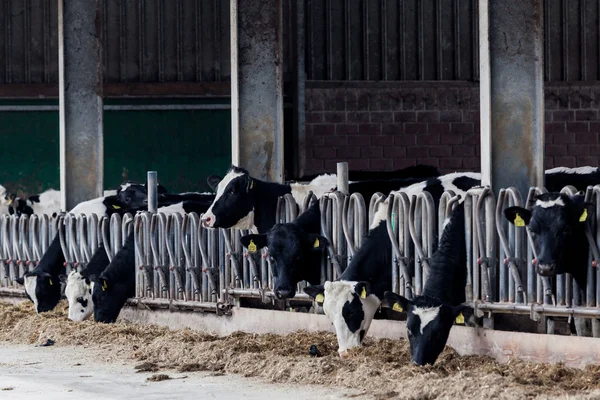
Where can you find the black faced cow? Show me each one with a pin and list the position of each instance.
(430, 316)
(296, 248)
(352, 300)
(557, 224)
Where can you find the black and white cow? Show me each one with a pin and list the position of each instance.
(352, 300)
(244, 202)
(580, 178)
(42, 284)
(296, 248)
(47, 202)
(415, 171)
(557, 224)
(430, 316)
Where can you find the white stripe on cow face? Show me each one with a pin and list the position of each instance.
(231, 175)
(550, 203)
(426, 315)
(77, 288)
(30, 286)
(337, 295)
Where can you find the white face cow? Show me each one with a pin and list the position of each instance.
(350, 306)
(79, 294)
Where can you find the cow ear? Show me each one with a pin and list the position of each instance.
(20, 280)
(49, 279)
(363, 289)
(463, 314)
(395, 302)
(584, 210)
(254, 242)
(518, 216)
(317, 242)
(317, 292)
(104, 284)
(213, 181)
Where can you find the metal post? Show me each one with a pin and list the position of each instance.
(511, 93)
(257, 87)
(299, 79)
(342, 177)
(80, 101)
(152, 183)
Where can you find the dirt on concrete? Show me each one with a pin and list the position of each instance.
(381, 369)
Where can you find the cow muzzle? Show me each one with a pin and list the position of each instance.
(546, 269)
(208, 220)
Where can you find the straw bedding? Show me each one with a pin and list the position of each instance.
(381, 369)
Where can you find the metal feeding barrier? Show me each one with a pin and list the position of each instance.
(180, 264)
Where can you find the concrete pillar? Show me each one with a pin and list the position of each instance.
(257, 87)
(511, 38)
(80, 100)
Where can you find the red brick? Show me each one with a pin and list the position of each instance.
(359, 140)
(334, 117)
(586, 115)
(549, 162)
(358, 117)
(452, 138)
(415, 127)
(335, 140)
(587, 160)
(330, 166)
(314, 166)
(405, 116)
(554, 150)
(586, 138)
(324, 152)
(441, 151)
(564, 138)
(470, 139)
(565, 162)
(314, 117)
(419, 152)
(385, 102)
(371, 152)
(578, 150)
(382, 116)
(382, 165)
(428, 139)
(405, 140)
(555, 127)
(451, 116)
(434, 162)
(317, 141)
(346, 129)
(314, 100)
(563, 116)
(471, 116)
(428, 116)
(394, 152)
(595, 127)
(477, 151)
(369, 129)
(363, 101)
(463, 151)
(359, 164)
(451, 163)
(348, 152)
(394, 129)
(574, 100)
(585, 95)
(404, 162)
(408, 101)
(351, 100)
(471, 163)
(461, 127)
(438, 127)
(547, 116)
(382, 140)
(578, 127)
(323, 129)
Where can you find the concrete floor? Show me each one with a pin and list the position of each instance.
(31, 373)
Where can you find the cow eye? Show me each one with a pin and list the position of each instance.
(80, 299)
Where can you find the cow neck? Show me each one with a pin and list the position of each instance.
(579, 259)
(122, 266)
(264, 202)
(53, 259)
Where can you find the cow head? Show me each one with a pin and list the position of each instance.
(233, 206)
(294, 252)
(555, 222)
(78, 291)
(428, 323)
(350, 306)
(42, 289)
(134, 196)
(108, 297)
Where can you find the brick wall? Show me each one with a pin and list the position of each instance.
(377, 126)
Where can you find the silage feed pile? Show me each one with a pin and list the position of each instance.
(381, 369)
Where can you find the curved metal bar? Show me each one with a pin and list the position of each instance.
(190, 251)
(308, 199)
(158, 244)
(355, 211)
(397, 228)
(145, 280)
(419, 203)
(174, 246)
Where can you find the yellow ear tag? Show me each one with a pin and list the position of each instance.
(320, 298)
(104, 286)
(583, 215)
(317, 243)
(397, 307)
(460, 319)
(363, 294)
(251, 184)
(50, 280)
(519, 221)
(116, 207)
(252, 247)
